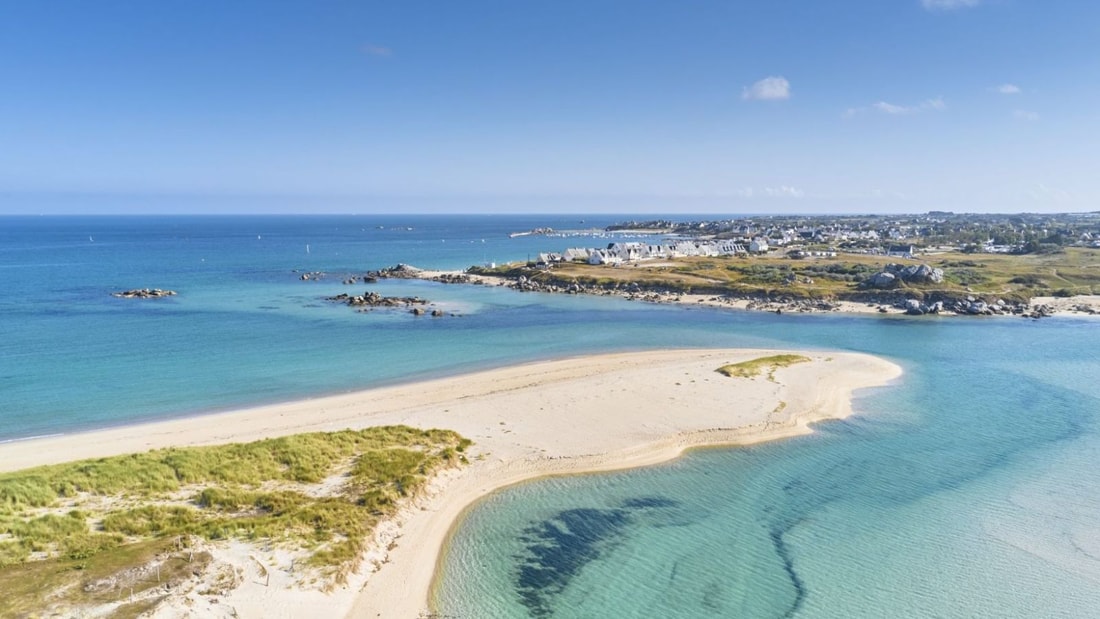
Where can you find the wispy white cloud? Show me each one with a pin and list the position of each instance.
(1043, 193)
(1025, 115)
(1008, 89)
(891, 109)
(377, 50)
(775, 88)
(949, 5)
(936, 105)
(782, 191)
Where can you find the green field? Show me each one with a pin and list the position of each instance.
(1018, 278)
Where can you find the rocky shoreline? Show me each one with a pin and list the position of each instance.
(882, 303)
(885, 292)
(889, 299)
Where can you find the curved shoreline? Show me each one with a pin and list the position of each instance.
(567, 416)
(648, 455)
(406, 588)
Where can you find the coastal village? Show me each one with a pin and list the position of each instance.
(975, 264)
(828, 236)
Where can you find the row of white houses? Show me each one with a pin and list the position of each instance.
(618, 253)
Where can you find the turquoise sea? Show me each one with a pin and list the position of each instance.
(969, 489)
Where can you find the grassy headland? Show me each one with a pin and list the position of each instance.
(1013, 278)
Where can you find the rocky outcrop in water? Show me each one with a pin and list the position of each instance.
(373, 299)
(144, 293)
(369, 301)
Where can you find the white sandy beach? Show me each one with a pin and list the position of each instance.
(566, 416)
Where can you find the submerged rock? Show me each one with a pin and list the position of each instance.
(144, 293)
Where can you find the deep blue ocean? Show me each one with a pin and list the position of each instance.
(969, 489)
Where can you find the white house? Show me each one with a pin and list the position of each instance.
(576, 253)
(685, 248)
(603, 256)
(629, 252)
(758, 245)
(729, 248)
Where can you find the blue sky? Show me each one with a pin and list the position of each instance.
(737, 106)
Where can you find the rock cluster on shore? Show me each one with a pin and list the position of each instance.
(403, 271)
(399, 271)
(893, 275)
(453, 278)
(144, 293)
(972, 306)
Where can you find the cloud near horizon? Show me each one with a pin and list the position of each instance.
(775, 88)
(948, 5)
(783, 191)
(1008, 89)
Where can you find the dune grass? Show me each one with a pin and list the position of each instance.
(753, 367)
(321, 492)
(107, 578)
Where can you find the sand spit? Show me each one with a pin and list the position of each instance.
(565, 416)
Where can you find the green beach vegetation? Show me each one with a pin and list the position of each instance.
(65, 527)
(753, 367)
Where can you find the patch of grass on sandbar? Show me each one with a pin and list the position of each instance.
(753, 367)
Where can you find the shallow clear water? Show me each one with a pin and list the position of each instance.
(971, 488)
(244, 329)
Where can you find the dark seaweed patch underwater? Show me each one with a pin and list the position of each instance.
(557, 548)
